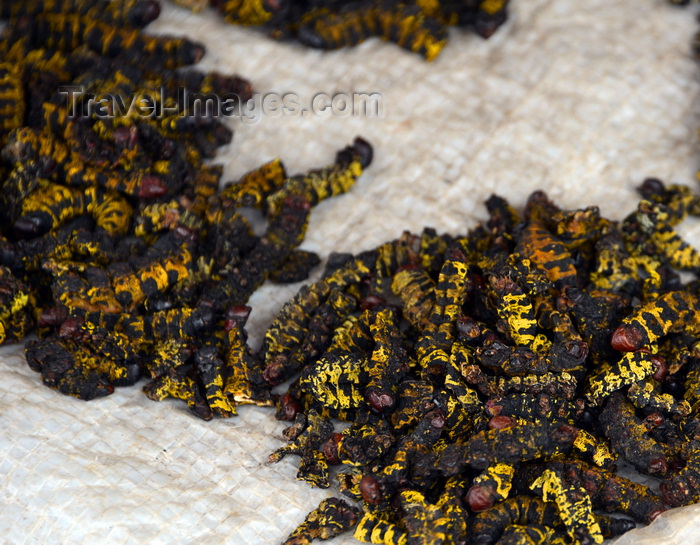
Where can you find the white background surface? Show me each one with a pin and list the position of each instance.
(581, 98)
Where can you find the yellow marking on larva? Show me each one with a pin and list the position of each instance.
(373, 529)
(246, 12)
(632, 367)
(598, 450)
(574, 515)
(19, 301)
(461, 356)
(218, 399)
(647, 394)
(499, 474)
(514, 312)
(316, 186)
(449, 296)
(326, 384)
(492, 6)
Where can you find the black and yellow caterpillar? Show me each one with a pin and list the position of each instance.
(408, 27)
(134, 13)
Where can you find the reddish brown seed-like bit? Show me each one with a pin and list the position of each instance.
(437, 419)
(289, 407)
(626, 338)
(229, 325)
(658, 466)
(479, 499)
(236, 315)
(653, 420)
(660, 366)
(274, 371)
(371, 301)
(126, 137)
(152, 187)
(501, 422)
(52, 317)
(70, 327)
(330, 449)
(379, 401)
(577, 350)
(564, 433)
(238, 312)
(468, 327)
(370, 490)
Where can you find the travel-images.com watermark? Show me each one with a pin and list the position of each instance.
(192, 104)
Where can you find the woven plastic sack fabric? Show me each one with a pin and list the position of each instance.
(581, 98)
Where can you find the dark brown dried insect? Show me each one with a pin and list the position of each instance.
(419, 27)
(489, 526)
(332, 517)
(505, 324)
(673, 311)
(115, 229)
(135, 13)
(683, 488)
(628, 436)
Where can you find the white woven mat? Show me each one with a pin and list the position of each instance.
(581, 98)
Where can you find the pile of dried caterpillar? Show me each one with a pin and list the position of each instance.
(117, 241)
(420, 26)
(492, 380)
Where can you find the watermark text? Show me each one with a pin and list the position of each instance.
(158, 103)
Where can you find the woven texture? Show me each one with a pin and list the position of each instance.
(581, 98)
